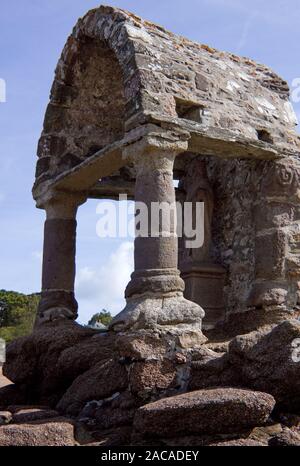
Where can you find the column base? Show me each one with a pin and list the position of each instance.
(204, 283)
(56, 305)
(173, 314)
(157, 281)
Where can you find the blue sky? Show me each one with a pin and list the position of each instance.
(32, 35)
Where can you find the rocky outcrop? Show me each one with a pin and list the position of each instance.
(287, 438)
(150, 384)
(215, 411)
(241, 442)
(42, 426)
(148, 376)
(35, 356)
(5, 417)
(209, 369)
(77, 359)
(12, 395)
(45, 363)
(25, 414)
(57, 432)
(266, 360)
(98, 383)
(270, 361)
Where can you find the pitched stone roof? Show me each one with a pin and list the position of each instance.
(118, 72)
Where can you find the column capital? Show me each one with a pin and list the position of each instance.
(157, 143)
(62, 205)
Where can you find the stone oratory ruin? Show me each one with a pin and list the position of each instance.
(134, 107)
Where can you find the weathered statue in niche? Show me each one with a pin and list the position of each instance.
(204, 280)
(198, 189)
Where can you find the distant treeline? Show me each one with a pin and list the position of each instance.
(17, 313)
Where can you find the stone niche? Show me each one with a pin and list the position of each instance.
(204, 278)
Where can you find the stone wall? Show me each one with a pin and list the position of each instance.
(256, 235)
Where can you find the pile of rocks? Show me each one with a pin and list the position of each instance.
(267, 359)
(221, 416)
(74, 385)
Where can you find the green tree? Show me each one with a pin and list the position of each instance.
(104, 317)
(17, 314)
(3, 313)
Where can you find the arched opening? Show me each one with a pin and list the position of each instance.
(87, 107)
(98, 108)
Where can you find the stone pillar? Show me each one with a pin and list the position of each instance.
(155, 258)
(155, 293)
(58, 275)
(275, 290)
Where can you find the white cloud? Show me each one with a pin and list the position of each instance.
(104, 288)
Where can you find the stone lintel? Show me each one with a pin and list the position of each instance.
(111, 158)
(191, 136)
(111, 188)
